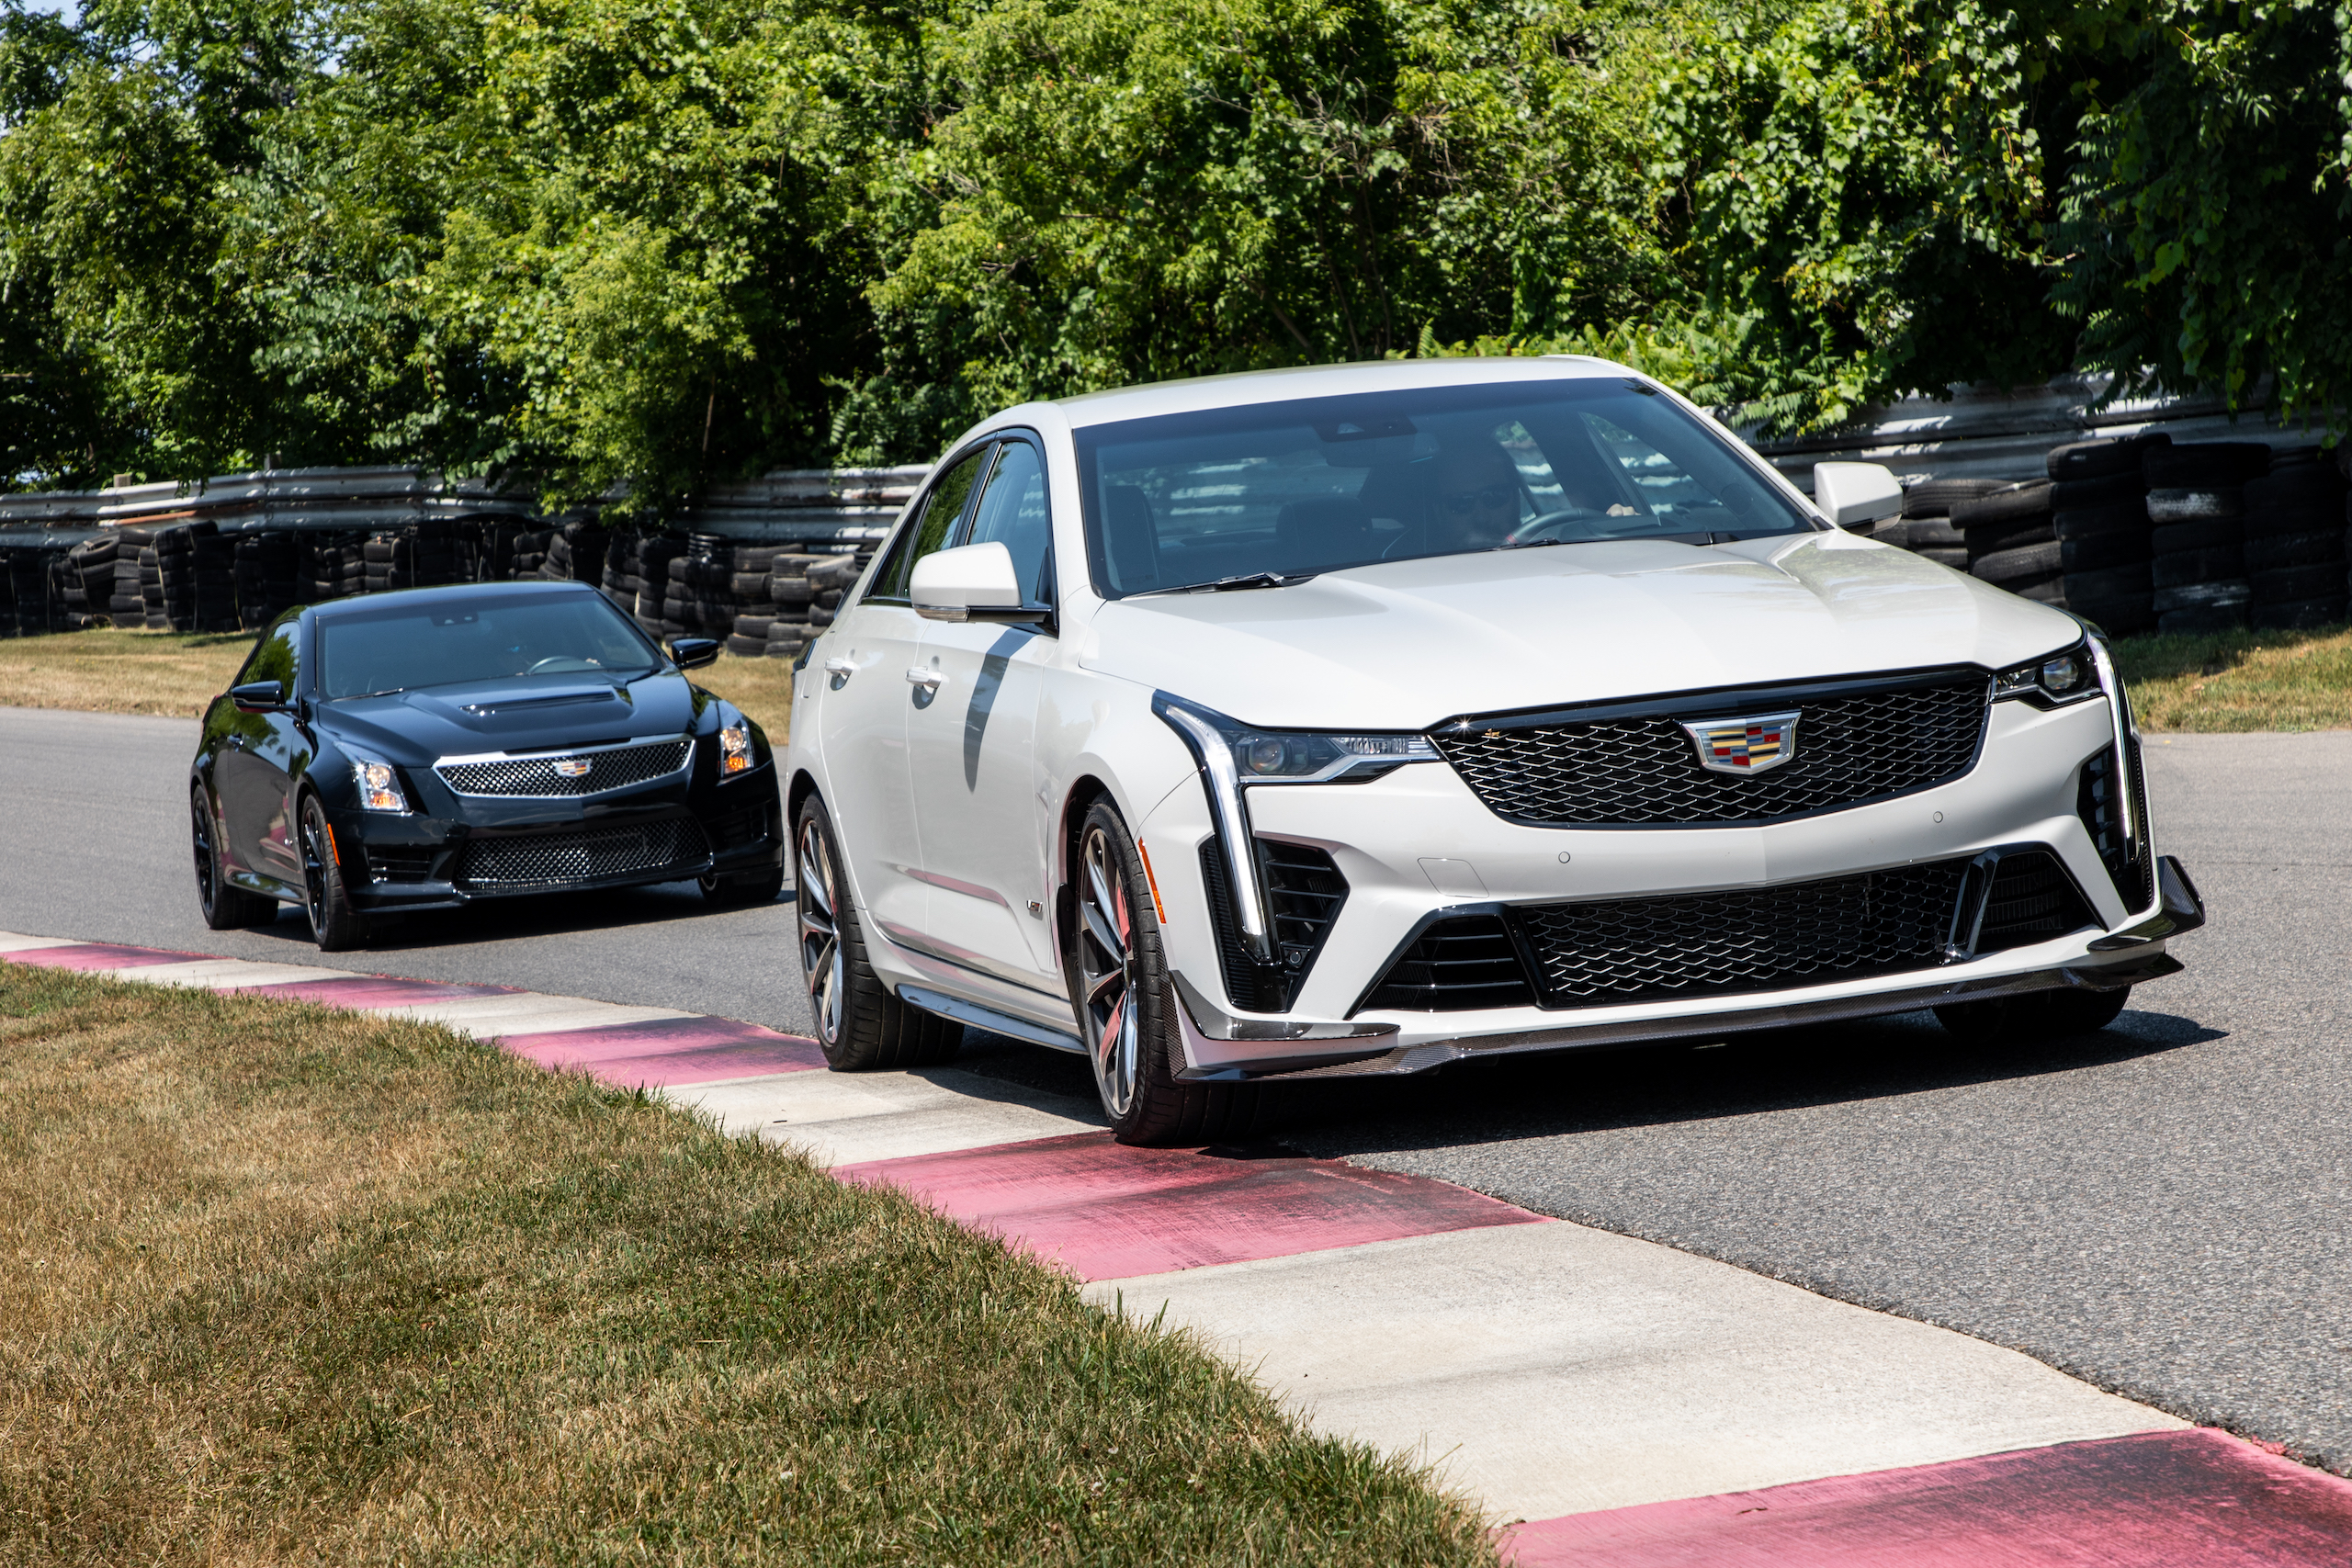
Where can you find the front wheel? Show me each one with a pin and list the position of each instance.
(226, 906)
(1119, 986)
(336, 926)
(860, 1027)
(2033, 1015)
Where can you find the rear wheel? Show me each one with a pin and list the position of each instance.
(336, 926)
(1119, 985)
(860, 1025)
(226, 907)
(2034, 1015)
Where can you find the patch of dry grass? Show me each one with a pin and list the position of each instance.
(2240, 681)
(279, 1284)
(177, 674)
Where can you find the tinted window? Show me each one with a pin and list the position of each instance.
(478, 637)
(929, 532)
(1013, 512)
(276, 658)
(1319, 484)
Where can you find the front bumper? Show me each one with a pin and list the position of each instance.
(1399, 841)
(477, 849)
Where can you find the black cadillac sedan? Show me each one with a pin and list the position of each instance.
(425, 749)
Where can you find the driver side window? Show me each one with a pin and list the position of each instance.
(933, 530)
(1013, 512)
(274, 658)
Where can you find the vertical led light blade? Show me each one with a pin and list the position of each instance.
(2118, 710)
(1233, 827)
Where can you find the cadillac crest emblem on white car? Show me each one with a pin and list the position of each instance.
(1364, 718)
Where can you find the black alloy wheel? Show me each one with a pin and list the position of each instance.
(336, 926)
(2033, 1015)
(226, 907)
(860, 1025)
(1126, 1005)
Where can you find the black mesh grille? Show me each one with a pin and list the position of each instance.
(2095, 802)
(2033, 899)
(1459, 963)
(399, 862)
(1762, 939)
(1644, 770)
(581, 855)
(544, 775)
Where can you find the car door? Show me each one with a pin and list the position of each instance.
(863, 706)
(970, 735)
(256, 763)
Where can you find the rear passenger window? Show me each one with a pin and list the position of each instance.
(932, 530)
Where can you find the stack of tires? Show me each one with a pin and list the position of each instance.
(134, 567)
(338, 567)
(791, 595)
(2294, 533)
(575, 553)
(196, 574)
(26, 609)
(755, 608)
(830, 579)
(2011, 544)
(656, 554)
(2196, 504)
(1925, 527)
(68, 597)
(265, 577)
(701, 597)
(91, 566)
(2100, 497)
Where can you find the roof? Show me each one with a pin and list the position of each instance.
(367, 602)
(1324, 381)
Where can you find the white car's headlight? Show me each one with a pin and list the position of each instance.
(2068, 676)
(735, 750)
(379, 787)
(1289, 756)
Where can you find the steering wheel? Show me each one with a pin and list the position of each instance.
(1556, 525)
(560, 662)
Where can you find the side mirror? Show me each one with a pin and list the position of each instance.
(694, 652)
(259, 697)
(974, 582)
(1852, 494)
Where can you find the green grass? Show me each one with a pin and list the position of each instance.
(282, 1284)
(2240, 681)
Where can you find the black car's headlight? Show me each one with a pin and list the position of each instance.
(2053, 680)
(734, 750)
(379, 787)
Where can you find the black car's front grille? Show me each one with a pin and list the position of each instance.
(1752, 939)
(2033, 899)
(557, 774)
(576, 855)
(1642, 769)
(2098, 803)
(1457, 964)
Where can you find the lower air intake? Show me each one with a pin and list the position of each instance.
(553, 860)
(1458, 964)
(2033, 899)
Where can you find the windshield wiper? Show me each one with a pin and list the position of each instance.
(1536, 544)
(1247, 580)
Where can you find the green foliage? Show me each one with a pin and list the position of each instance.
(651, 244)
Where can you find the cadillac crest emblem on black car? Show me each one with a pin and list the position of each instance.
(425, 749)
(1366, 718)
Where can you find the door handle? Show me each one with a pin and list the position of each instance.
(929, 679)
(845, 668)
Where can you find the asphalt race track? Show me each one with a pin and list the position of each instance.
(2158, 1209)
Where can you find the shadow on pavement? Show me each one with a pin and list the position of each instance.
(506, 919)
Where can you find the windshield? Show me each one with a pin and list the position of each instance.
(1283, 490)
(446, 640)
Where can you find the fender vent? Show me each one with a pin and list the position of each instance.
(2095, 804)
(1305, 890)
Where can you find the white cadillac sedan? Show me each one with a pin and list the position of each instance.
(1366, 718)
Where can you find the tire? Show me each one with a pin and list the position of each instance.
(2204, 534)
(2283, 522)
(2190, 505)
(1935, 497)
(1956, 559)
(2034, 1015)
(2117, 618)
(2082, 495)
(2288, 585)
(2049, 590)
(2111, 583)
(226, 908)
(1922, 532)
(2187, 568)
(2299, 615)
(2203, 595)
(2079, 460)
(2032, 563)
(1992, 538)
(2227, 617)
(860, 1027)
(2010, 503)
(2103, 552)
(2123, 519)
(2200, 464)
(336, 926)
(2295, 487)
(1125, 1005)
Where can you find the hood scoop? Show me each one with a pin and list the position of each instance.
(536, 701)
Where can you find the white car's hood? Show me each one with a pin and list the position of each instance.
(1404, 645)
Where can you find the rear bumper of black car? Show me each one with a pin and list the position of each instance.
(415, 862)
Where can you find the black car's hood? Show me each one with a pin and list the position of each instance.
(523, 713)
